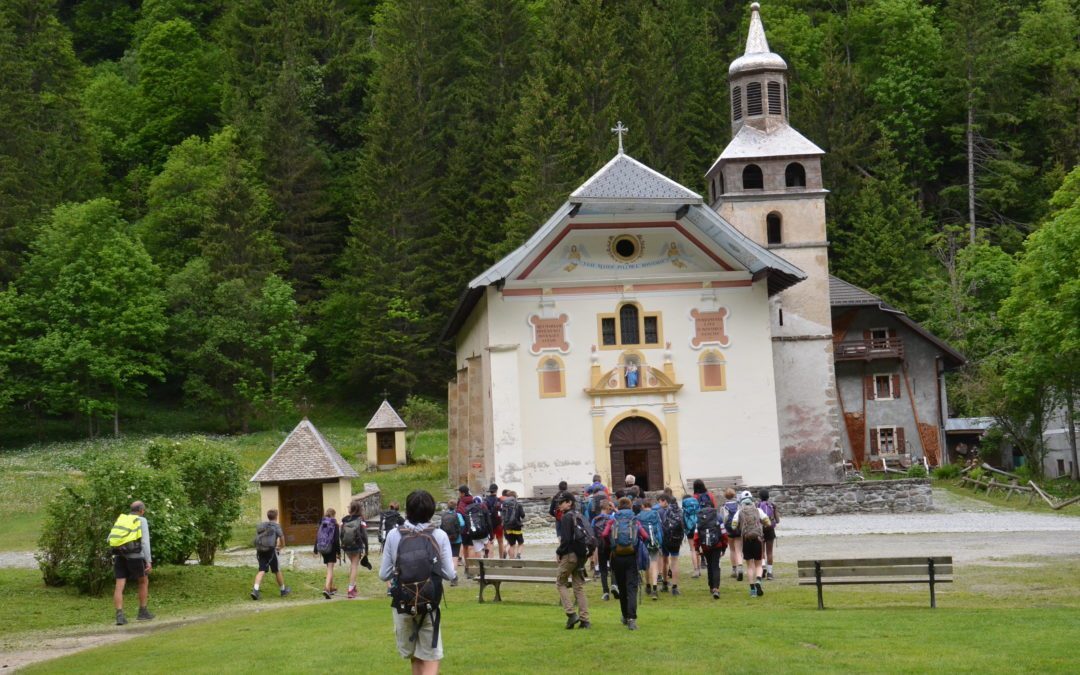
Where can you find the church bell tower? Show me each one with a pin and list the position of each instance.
(767, 183)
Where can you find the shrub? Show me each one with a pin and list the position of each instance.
(73, 546)
(916, 470)
(977, 473)
(947, 472)
(1025, 473)
(420, 413)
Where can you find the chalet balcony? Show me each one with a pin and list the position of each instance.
(869, 350)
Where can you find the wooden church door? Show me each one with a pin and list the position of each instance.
(635, 449)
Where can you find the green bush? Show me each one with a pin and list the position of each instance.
(978, 473)
(916, 470)
(1025, 473)
(213, 481)
(73, 546)
(947, 472)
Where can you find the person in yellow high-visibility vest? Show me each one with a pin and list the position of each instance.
(130, 542)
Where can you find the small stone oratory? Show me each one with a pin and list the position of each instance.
(647, 329)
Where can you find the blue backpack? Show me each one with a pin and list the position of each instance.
(650, 522)
(624, 534)
(690, 507)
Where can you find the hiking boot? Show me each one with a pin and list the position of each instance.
(285, 591)
(739, 576)
(624, 621)
(675, 592)
(664, 587)
(605, 597)
(326, 593)
(753, 591)
(696, 574)
(517, 557)
(655, 595)
(760, 590)
(715, 594)
(255, 594)
(768, 575)
(454, 582)
(585, 624)
(121, 620)
(389, 593)
(144, 615)
(615, 592)
(351, 594)
(632, 624)
(571, 619)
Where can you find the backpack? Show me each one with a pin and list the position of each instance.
(476, 520)
(690, 508)
(450, 524)
(624, 535)
(354, 534)
(710, 532)
(770, 510)
(265, 538)
(494, 507)
(729, 513)
(582, 537)
(650, 522)
(511, 515)
(672, 526)
(125, 538)
(327, 536)
(596, 501)
(417, 588)
(750, 522)
(599, 522)
(388, 520)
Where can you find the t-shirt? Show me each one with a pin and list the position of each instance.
(273, 525)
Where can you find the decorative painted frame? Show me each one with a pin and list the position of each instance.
(712, 358)
(542, 379)
(549, 334)
(709, 327)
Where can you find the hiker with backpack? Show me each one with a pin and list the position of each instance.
(416, 559)
(477, 527)
(603, 551)
(671, 524)
(711, 537)
(451, 522)
(494, 509)
(650, 522)
(595, 495)
(731, 506)
(576, 542)
(513, 517)
(690, 508)
(354, 543)
(389, 520)
(769, 532)
(553, 508)
(750, 521)
(129, 541)
(328, 545)
(633, 491)
(269, 540)
(625, 536)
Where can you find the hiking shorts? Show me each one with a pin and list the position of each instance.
(455, 549)
(498, 533)
(514, 537)
(769, 534)
(128, 568)
(672, 551)
(751, 549)
(268, 561)
(328, 558)
(410, 643)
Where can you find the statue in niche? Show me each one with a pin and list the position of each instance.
(631, 375)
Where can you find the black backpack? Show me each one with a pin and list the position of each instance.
(710, 531)
(511, 514)
(450, 525)
(582, 537)
(417, 588)
(477, 525)
(672, 527)
(388, 520)
(596, 501)
(494, 507)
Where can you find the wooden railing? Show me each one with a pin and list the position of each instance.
(868, 350)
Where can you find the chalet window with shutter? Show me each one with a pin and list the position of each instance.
(753, 99)
(629, 326)
(774, 98)
(882, 387)
(736, 103)
(552, 377)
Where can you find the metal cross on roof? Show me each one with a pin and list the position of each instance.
(620, 130)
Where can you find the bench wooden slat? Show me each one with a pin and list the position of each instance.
(899, 580)
(867, 562)
(500, 564)
(513, 573)
(876, 571)
(528, 580)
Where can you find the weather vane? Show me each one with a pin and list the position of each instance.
(620, 130)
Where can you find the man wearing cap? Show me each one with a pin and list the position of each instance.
(494, 507)
(130, 543)
(468, 543)
(572, 558)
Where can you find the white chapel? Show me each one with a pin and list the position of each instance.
(650, 330)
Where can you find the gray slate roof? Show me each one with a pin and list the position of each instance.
(386, 419)
(751, 143)
(844, 293)
(304, 455)
(626, 179)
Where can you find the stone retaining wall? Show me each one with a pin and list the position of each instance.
(871, 496)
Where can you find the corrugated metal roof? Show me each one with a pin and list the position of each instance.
(304, 455)
(969, 424)
(386, 419)
(626, 179)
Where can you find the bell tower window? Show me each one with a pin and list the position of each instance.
(752, 178)
(736, 103)
(753, 99)
(774, 98)
(773, 231)
(795, 175)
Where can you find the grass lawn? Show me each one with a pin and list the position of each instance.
(997, 498)
(993, 619)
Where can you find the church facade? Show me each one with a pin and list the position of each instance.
(650, 330)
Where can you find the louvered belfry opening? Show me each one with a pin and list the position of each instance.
(736, 103)
(636, 449)
(775, 107)
(753, 99)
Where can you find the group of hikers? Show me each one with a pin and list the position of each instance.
(622, 535)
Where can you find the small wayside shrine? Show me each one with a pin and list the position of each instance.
(386, 438)
(304, 477)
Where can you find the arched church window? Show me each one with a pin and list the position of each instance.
(774, 98)
(552, 377)
(795, 175)
(736, 103)
(753, 99)
(712, 371)
(629, 330)
(772, 228)
(752, 178)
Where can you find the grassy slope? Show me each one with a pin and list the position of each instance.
(884, 628)
(997, 498)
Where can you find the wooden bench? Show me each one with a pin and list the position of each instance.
(936, 570)
(495, 572)
(549, 491)
(717, 485)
